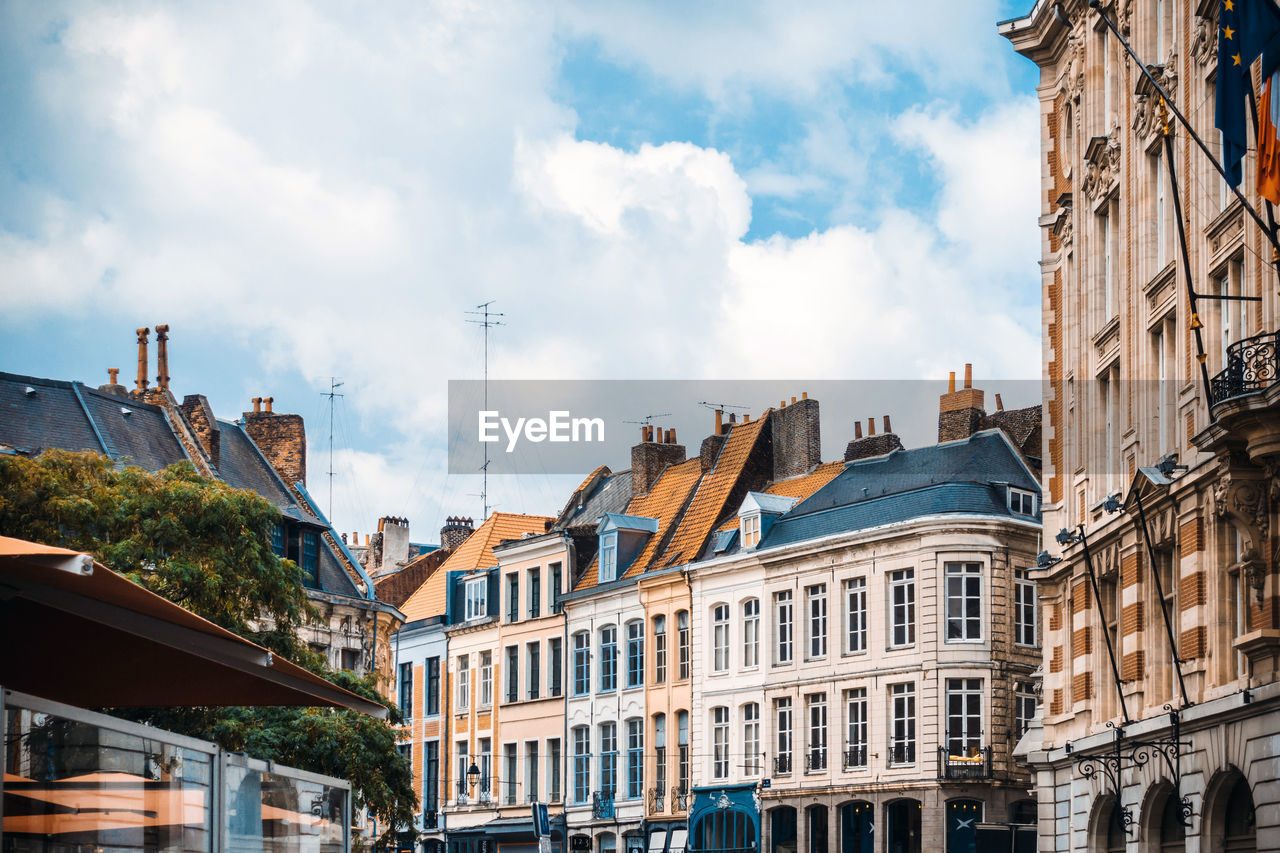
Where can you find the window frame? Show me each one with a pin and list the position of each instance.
(855, 618)
(660, 649)
(719, 638)
(751, 739)
(720, 743)
(475, 597)
(816, 720)
(902, 613)
(751, 633)
(608, 659)
(857, 726)
(582, 663)
(816, 612)
(903, 721)
(635, 653)
(964, 626)
(1026, 609)
(784, 628)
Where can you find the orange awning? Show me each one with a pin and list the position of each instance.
(79, 633)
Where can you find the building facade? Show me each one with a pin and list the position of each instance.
(1161, 708)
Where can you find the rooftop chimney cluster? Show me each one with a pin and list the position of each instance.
(455, 531)
(656, 451)
(866, 446)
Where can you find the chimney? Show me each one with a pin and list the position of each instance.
(650, 458)
(113, 385)
(999, 404)
(719, 422)
(257, 405)
(960, 413)
(195, 408)
(390, 548)
(162, 357)
(142, 359)
(709, 451)
(797, 438)
(282, 438)
(455, 532)
(872, 445)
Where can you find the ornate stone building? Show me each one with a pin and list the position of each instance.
(1161, 707)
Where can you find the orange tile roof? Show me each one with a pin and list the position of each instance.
(708, 503)
(798, 487)
(475, 553)
(664, 502)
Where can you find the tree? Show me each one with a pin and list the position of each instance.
(207, 546)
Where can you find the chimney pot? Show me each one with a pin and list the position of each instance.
(114, 373)
(142, 359)
(999, 404)
(968, 376)
(746, 419)
(871, 427)
(804, 395)
(857, 430)
(162, 357)
(268, 401)
(793, 399)
(733, 418)
(782, 404)
(951, 383)
(671, 436)
(257, 405)
(887, 428)
(719, 421)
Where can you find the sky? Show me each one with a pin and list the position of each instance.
(662, 190)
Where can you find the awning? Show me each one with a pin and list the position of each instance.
(76, 632)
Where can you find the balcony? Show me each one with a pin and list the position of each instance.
(855, 757)
(782, 764)
(1253, 365)
(431, 820)
(602, 805)
(815, 760)
(657, 800)
(902, 753)
(973, 764)
(679, 800)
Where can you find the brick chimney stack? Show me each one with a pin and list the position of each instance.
(142, 359)
(797, 438)
(656, 451)
(960, 413)
(162, 357)
(871, 445)
(455, 532)
(282, 438)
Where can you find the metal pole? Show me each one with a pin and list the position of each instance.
(1271, 237)
(1106, 635)
(1155, 575)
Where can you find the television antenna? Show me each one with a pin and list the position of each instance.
(482, 311)
(332, 394)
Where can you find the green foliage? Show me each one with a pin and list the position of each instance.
(207, 546)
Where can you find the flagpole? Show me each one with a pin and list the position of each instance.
(1096, 5)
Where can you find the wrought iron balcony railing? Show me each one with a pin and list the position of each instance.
(679, 799)
(814, 760)
(602, 805)
(973, 763)
(1252, 365)
(431, 819)
(782, 764)
(855, 756)
(657, 800)
(902, 753)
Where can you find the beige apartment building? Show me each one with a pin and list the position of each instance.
(1161, 707)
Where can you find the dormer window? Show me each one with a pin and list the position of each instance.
(750, 525)
(757, 514)
(1022, 502)
(476, 596)
(608, 557)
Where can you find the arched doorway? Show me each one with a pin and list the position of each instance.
(816, 822)
(782, 829)
(1109, 833)
(1164, 830)
(963, 817)
(1240, 830)
(903, 817)
(724, 829)
(857, 828)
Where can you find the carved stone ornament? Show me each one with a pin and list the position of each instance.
(1102, 164)
(1242, 496)
(1074, 83)
(1146, 107)
(1204, 38)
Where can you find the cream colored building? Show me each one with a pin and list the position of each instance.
(1188, 720)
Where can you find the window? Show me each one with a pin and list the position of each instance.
(581, 764)
(855, 702)
(1166, 561)
(510, 770)
(476, 594)
(659, 649)
(486, 767)
(351, 659)
(513, 673)
(855, 615)
(433, 686)
(311, 558)
(277, 539)
(750, 531)
(964, 716)
(783, 627)
(1024, 707)
(462, 700)
(635, 653)
(1108, 264)
(1024, 608)
(555, 666)
(534, 583)
(556, 578)
(486, 679)
(460, 753)
(513, 597)
(431, 776)
(902, 607)
(782, 726)
(682, 639)
(405, 683)
(751, 633)
(608, 658)
(581, 663)
(902, 743)
(720, 743)
(533, 668)
(660, 754)
(682, 745)
(531, 771)
(608, 557)
(1022, 502)
(816, 707)
(816, 603)
(720, 638)
(553, 770)
(635, 759)
(608, 758)
(751, 739)
(964, 601)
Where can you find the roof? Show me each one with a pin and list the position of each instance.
(243, 466)
(799, 487)
(475, 553)
(396, 588)
(106, 641)
(600, 493)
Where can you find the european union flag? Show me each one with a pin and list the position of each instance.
(1244, 28)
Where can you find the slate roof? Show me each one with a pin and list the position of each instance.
(600, 493)
(795, 487)
(242, 465)
(475, 553)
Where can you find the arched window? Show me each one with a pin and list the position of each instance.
(1173, 834)
(904, 825)
(581, 663)
(963, 817)
(1108, 833)
(857, 827)
(682, 629)
(751, 633)
(720, 638)
(782, 829)
(1240, 826)
(608, 658)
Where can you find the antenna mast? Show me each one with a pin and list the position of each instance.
(482, 310)
(334, 385)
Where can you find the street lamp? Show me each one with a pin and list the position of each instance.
(473, 776)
